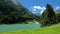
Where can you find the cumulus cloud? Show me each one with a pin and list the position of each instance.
(57, 8)
(35, 8)
(41, 11)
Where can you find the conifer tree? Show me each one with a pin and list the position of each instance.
(48, 16)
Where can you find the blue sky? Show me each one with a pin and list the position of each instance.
(38, 6)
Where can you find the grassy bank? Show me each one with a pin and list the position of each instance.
(54, 29)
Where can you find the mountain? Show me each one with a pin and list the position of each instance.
(58, 15)
(12, 11)
(57, 11)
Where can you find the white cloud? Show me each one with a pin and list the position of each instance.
(41, 11)
(35, 8)
(57, 8)
(43, 8)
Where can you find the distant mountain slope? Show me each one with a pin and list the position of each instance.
(58, 15)
(57, 11)
(12, 11)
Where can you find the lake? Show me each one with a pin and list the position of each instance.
(4, 28)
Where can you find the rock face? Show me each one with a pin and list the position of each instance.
(12, 11)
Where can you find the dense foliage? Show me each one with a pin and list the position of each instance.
(13, 12)
(48, 17)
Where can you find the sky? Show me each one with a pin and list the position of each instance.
(38, 6)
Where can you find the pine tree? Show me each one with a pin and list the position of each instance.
(48, 16)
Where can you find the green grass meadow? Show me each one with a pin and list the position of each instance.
(54, 29)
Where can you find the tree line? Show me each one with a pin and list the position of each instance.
(10, 13)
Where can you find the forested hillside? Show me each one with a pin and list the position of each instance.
(12, 11)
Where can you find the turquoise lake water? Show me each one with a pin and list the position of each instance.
(4, 28)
